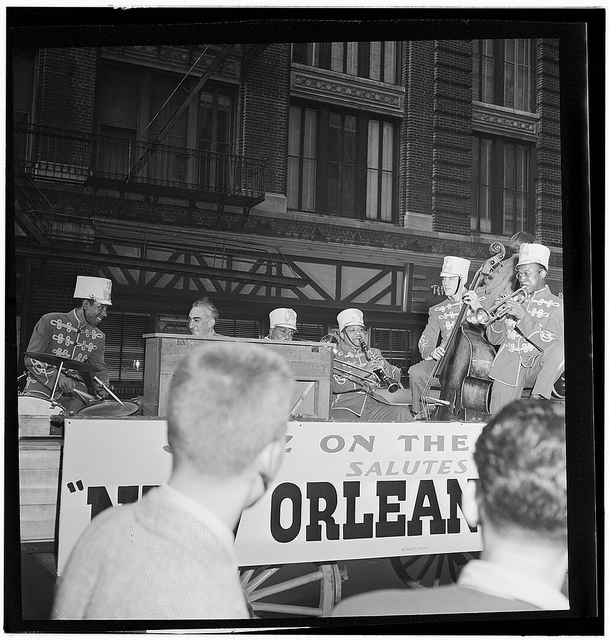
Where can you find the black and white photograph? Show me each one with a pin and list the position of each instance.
(291, 294)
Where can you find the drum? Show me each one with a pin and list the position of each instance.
(28, 405)
(109, 409)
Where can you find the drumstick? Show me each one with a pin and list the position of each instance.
(108, 390)
(87, 397)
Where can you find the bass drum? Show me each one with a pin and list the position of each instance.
(109, 409)
(28, 405)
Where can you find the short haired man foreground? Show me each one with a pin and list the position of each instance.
(521, 507)
(170, 555)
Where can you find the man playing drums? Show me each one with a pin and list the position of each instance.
(74, 336)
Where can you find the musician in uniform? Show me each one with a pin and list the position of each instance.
(530, 334)
(76, 336)
(353, 398)
(440, 323)
(282, 324)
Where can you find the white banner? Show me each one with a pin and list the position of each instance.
(344, 490)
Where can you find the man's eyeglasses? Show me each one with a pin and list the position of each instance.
(526, 274)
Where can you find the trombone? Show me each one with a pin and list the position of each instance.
(366, 377)
(485, 317)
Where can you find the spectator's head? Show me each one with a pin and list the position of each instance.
(227, 402)
(520, 456)
(520, 237)
(202, 318)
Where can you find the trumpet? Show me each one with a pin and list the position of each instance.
(499, 309)
(391, 384)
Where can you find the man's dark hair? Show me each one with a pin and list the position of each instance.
(520, 237)
(521, 457)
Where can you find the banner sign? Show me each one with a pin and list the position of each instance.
(344, 490)
(364, 490)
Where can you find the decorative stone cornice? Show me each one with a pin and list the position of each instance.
(490, 118)
(172, 58)
(347, 91)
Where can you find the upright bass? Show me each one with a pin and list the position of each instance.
(463, 370)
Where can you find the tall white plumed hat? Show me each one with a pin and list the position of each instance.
(283, 318)
(350, 317)
(91, 288)
(454, 266)
(531, 252)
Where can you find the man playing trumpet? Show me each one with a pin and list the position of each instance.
(354, 380)
(530, 333)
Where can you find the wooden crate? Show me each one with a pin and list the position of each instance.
(310, 362)
(39, 461)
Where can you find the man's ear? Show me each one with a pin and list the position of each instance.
(469, 503)
(264, 469)
(269, 459)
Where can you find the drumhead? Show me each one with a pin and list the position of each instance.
(35, 406)
(109, 409)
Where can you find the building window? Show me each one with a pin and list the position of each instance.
(396, 345)
(215, 130)
(501, 186)
(125, 348)
(380, 170)
(502, 73)
(235, 328)
(374, 60)
(342, 164)
(302, 150)
(135, 105)
(23, 74)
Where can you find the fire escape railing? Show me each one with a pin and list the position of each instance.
(104, 161)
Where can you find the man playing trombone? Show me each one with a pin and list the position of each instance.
(358, 371)
(530, 333)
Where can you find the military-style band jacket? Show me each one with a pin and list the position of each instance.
(347, 393)
(524, 340)
(442, 318)
(63, 335)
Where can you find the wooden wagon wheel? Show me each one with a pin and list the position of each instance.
(268, 590)
(432, 570)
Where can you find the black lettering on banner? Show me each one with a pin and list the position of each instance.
(291, 492)
(99, 500)
(384, 489)
(355, 530)
(125, 495)
(316, 491)
(453, 488)
(437, 524)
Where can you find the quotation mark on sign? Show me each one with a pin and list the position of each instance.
(78, 486)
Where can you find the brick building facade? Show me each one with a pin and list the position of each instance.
(317, 176)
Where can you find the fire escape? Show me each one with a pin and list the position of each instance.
(148, 168)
